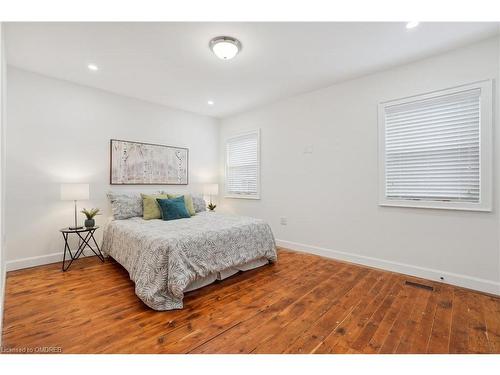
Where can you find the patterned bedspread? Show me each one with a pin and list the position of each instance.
(163, 257)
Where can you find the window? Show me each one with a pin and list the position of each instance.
(243, 166)
(435, 149)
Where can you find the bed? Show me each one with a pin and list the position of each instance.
(165, 259)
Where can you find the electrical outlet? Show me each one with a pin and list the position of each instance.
(308, 149)
(283, 220)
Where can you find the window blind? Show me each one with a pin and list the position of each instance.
(432, 148)
(242, 165)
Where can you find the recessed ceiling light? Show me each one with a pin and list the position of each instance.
(412, 24)
(93, 67)
(210, 102)
(225, 47)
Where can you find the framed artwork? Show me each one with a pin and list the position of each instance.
(136, 163)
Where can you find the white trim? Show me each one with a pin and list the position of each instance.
(486, 151)
(457, 206)
(3, 148)
(470, 282)
(242, 196)
(40, 260)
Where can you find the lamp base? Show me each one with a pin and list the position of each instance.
(75, 228)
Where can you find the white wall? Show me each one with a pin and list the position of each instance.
(330, 196)
(2, 179)
(60, 132)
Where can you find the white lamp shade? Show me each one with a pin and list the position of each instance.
(74, 192)
(211, 189)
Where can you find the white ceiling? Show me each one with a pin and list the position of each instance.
(171, 64)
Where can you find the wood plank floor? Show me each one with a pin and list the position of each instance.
(302, 304)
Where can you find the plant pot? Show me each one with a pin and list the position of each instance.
(89, 223)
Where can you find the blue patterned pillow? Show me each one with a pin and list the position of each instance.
(172, 209)
(199, 203)
(125, 205)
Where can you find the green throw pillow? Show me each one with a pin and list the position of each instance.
(188, 201)
(151, 210)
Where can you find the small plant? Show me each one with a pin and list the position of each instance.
(90, 214)
(211, 206)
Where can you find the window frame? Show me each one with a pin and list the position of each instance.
(485, 151)
(226, 140)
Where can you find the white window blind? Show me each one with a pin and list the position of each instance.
(243, 165)
(432, 148)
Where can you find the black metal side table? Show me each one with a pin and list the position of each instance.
(85, 236)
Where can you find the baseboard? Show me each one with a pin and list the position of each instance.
(41, 260)
(469, 282)
(487, 286)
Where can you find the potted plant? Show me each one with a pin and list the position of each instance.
(90, 214)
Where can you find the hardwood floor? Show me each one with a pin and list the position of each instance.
(302, 304)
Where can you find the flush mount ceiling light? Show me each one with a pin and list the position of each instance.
(225, 47)
(210, 102)
(412, 24)
(93, 67)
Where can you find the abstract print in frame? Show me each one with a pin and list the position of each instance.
(136, 163)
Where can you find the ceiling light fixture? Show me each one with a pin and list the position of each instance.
(93, 67)
(210, 102)
(412, 24)
(225, 47)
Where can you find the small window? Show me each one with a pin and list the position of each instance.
(243, 166)
(435, 149)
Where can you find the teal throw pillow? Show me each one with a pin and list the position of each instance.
(172, 209)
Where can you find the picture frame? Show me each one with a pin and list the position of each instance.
(140, 163)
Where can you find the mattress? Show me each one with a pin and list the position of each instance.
(167, 258)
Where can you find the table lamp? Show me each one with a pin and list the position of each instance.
(211, 189)
(75, 192)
